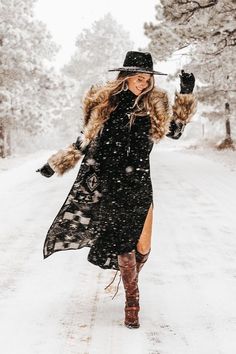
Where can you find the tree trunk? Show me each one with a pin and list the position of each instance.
(227, 143)
(4, 141)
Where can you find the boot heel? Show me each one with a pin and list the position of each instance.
(131, 317)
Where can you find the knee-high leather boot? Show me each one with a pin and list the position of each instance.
(128, 270)
(141, 259)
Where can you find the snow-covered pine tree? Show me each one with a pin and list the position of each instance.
(26, 48)
(208, 29)
(98, 48)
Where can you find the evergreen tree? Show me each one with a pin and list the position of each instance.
(26, 48)
(98, 48)
(208, 30)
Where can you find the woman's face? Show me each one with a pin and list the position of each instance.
(138, 82)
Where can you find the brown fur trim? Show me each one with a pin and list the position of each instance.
(160, 115)
(91, 100)
(160, 112)
(184, 107)
(93, 121)
(64, 160)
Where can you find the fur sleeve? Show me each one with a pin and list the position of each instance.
(182, 111)
(65, 160)
(184, 107)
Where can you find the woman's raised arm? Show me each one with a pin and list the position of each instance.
(184, 106)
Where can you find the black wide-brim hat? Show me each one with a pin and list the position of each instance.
(138, 62)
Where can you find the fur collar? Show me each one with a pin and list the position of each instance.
(160, 112)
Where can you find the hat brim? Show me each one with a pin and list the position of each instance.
(135, 69)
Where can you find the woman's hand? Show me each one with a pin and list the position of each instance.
(46, 170)
(187, 82)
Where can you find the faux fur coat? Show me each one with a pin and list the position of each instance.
(161, 116)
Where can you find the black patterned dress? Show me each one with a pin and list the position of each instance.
(107, 205)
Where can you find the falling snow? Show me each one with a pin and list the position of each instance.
(187, 287)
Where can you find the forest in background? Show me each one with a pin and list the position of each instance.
(41, 107)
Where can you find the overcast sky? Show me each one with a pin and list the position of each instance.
(66, 18)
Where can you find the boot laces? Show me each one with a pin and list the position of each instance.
(117, 288)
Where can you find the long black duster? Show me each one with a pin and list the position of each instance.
(109, 200)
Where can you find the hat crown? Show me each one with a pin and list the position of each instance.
(139, 60)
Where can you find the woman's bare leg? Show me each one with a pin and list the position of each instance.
(144, 243)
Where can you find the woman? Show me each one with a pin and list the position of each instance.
(110, 205)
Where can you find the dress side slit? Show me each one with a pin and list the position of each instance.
(144, 240)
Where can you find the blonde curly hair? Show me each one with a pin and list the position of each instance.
(105, 99)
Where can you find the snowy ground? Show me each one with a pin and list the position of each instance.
(188, 286)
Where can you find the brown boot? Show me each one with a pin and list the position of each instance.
(141, 259)
(128, 270)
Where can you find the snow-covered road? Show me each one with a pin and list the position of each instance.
(188, 286)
